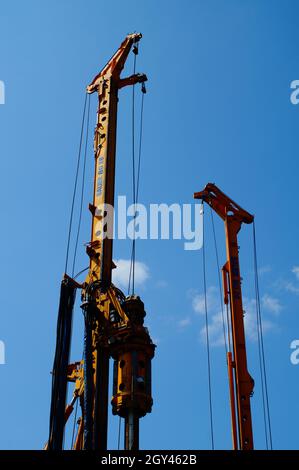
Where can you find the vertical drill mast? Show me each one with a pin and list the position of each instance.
(240, 382)
(113, 322)
(106, 84)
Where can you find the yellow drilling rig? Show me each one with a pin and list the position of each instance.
(113, 322)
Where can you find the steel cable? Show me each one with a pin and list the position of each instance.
(82, 187)
(75, 187)
(267, 418)
(135, 180)
(207, 336)
(219, 281)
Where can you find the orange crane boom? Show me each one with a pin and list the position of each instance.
(240, 382)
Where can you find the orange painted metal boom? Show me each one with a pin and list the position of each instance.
(240, 382)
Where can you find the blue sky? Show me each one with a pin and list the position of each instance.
(217, 109)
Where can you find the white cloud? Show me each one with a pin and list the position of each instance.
(271, 304)
(184, 322)
(216, 336)
(264, 269)
(120, 275)
(295, 271)
(198, 301)
(250, 320)
(215, 315)
(291, 286)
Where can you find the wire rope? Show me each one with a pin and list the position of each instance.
(219, 281)
(207, 338)
(75, 187)
(262, 360)
(82, 187)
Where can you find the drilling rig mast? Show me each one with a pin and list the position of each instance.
(240, 382)
(113, 322)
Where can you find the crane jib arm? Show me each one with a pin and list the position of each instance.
(242, 387)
